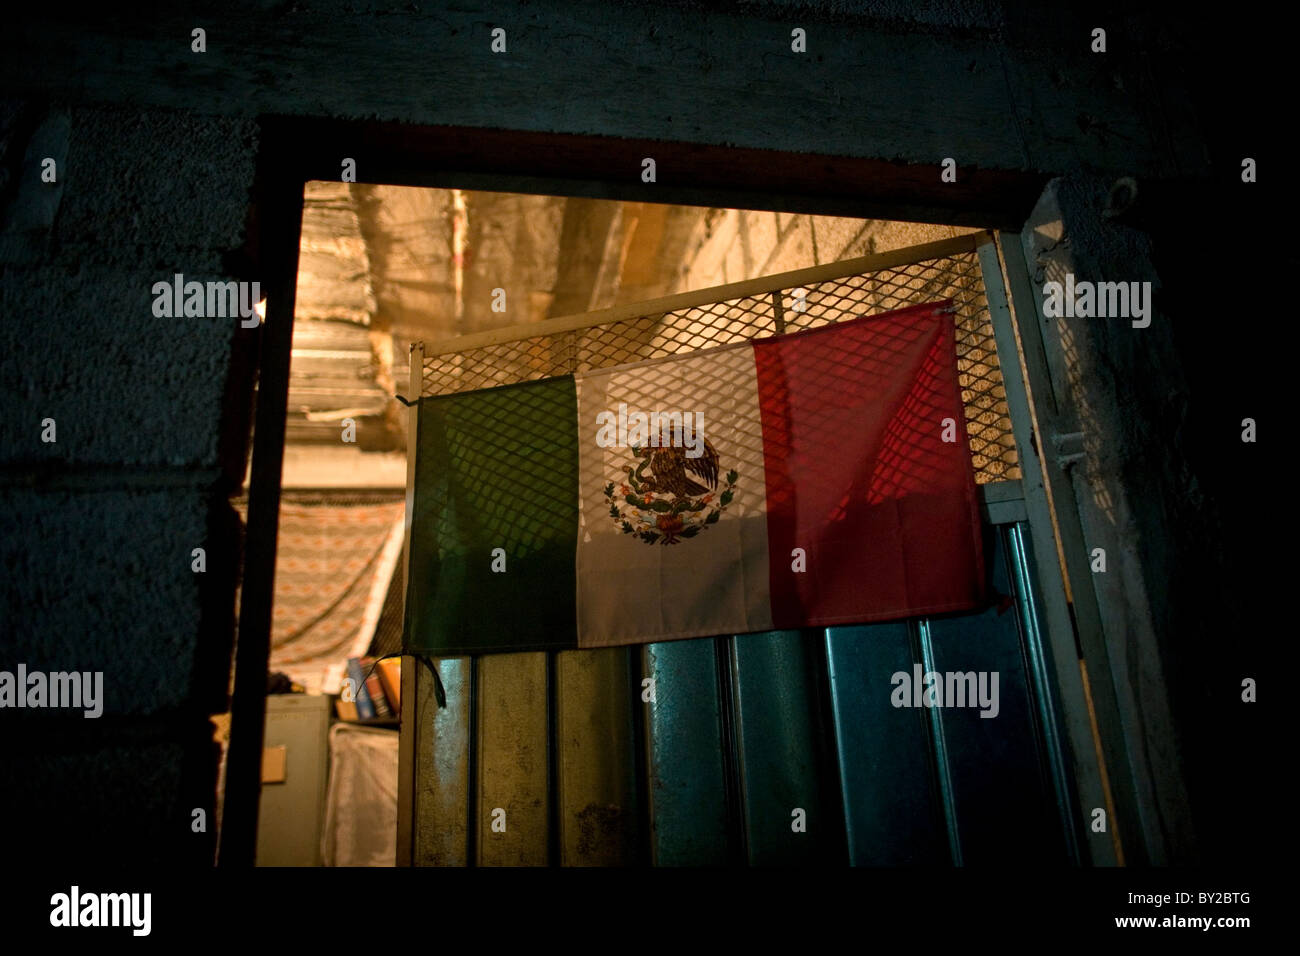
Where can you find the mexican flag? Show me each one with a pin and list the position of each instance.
(804, 480)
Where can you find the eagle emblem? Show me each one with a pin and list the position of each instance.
(667, 496)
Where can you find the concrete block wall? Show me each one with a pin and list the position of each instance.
(97, 528)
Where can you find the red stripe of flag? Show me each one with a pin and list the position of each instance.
(858, 474)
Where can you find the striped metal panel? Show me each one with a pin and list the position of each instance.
(1049, 724)
(511, 761)
(596, 741)
(1001, 799)
(892, 811)
(442, 781)
(782, 743)
(688, 782)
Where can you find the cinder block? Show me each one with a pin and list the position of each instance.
(123, 798)
(102, 581)
(80, 344)
(177, 199)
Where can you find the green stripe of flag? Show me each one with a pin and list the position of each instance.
(496, 468)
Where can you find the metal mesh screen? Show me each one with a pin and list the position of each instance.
(659, 334)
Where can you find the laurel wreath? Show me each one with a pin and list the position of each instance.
(663, 518)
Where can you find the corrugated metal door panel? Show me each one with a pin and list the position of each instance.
(783, 743)
(686, 766)
(1001, 804)
(511, 759)
(442, 772)
(1020, 554)
(892, 813)
(599, 809)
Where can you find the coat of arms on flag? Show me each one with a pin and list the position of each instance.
(669, 496)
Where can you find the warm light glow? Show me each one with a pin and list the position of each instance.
(260, 309)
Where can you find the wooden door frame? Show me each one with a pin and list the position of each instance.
(293, 151)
